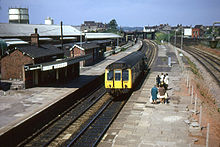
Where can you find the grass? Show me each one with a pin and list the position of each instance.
(158, 42)
(193, 68)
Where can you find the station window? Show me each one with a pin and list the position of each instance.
(110, 75)
(125, 75)
(117, 75)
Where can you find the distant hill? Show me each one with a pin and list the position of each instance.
(130, 29)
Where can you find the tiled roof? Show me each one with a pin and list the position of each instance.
(87, 45)
(41, 51)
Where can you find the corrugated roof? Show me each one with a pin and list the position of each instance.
(41, 51)
(14, 41)
(101, 36)
(101, 41)
(10, 30)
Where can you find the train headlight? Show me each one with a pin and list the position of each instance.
(110, 85)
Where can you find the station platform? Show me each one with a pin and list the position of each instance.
(16, 106)
(142, 124)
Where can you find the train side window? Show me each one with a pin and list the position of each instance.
(125, 75)
(110, 75)
(117, 75)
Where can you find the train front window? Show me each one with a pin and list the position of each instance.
(117, 75)
(110, 75)
(125, 75)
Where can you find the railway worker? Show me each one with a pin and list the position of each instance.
(158, 80)
(162, 92)
(154, 92)
(166, 81)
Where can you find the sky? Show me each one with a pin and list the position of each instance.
(126, 12)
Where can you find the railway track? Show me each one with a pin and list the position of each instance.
(52, 130)
(98, 125)
(210, 62)
(151, 54)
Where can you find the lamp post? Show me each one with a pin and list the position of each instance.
(81, 38)
(182, 40)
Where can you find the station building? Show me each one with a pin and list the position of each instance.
(86, 48)
(46, 56)
(95, 49)
(39, 64)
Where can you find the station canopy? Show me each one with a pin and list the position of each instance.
(22, 30)
(102, 36)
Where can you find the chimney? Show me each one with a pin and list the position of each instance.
(35, 38)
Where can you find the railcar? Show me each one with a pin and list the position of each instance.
(121, 75)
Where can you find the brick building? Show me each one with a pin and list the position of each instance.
(195, 33)
(89, 26)
(90, 49)
(38, 65)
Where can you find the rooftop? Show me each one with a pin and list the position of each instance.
(102, 36)
(86, 45)
(41, 51)
(14, 30)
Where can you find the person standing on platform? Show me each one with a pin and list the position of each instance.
(158, 80)
(162, 78)
(166, 81)
(154, 92)
(162, 92)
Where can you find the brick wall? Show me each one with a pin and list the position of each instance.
(195, 33)
(12, 65)
(78, 52)
(91, 60)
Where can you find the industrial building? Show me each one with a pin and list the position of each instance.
(18, 15)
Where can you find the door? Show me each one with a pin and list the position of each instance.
(118, 79)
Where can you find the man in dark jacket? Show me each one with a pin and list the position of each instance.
(158, 80)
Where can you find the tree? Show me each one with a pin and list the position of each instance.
(113, 25)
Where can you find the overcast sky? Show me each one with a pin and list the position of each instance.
(126, 12)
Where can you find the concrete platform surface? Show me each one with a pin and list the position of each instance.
(142, 124)
(18, 105)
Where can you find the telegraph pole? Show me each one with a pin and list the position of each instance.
(182, 40)
(61, 27)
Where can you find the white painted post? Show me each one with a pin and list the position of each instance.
(200, 116)
(192, 95)
(195, 104)
(169, 61)
(207, 136)
(189, 88)
(187, 79)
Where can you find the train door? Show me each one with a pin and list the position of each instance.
(118, 79)
(109, 79)
(125, 78)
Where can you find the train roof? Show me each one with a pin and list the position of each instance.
(128, 61)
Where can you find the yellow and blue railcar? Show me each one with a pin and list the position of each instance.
(121, 75)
